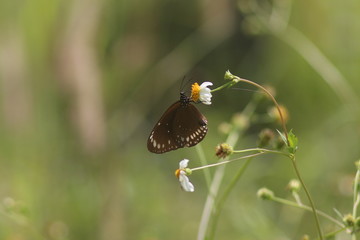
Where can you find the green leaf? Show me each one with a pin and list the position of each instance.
(293, 142)
(282, 137)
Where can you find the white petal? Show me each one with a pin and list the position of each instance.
(205, 98)
(185, 183)
(205, 84)
(183, 163)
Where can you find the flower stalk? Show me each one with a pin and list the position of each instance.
(235, 79)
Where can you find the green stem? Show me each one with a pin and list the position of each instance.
(332, 234)
(228, 84)
(272, 99)
(201, 154)
(260, 150)
(219, 205)
(307, 208)
(226, 161)
(309, 197)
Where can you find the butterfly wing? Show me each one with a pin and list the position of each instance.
(180, 126)
(160, 139)
(189, 126)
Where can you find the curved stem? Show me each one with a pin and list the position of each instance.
(309, 197)
(274, 101)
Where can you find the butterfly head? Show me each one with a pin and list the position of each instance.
(184, 100)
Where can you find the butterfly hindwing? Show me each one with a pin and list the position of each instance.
(189, 126)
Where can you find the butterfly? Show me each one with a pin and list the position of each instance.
(182, 125)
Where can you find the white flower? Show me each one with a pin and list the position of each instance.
(182, 173)
(202, 93)
(205, 94)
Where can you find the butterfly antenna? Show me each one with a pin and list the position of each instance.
(182, 84)
(186, 84)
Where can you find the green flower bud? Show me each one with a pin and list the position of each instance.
(349, 220)
(294, 185)
(265, 194)
(228, 76)
(223, 150)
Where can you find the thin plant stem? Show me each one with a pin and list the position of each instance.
(332, 234)
(226, 161)
(273, 100)
(309, 197)
(260, 150)
(201, 154)
(228, 84)
(219, 206)
(307, 208)
(297, 198)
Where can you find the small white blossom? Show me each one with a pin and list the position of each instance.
(182, 173)
(205, 93)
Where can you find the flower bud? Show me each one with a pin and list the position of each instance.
(349, 220)
(294, 186)
(228, 76)
(274, 114)
(223, 150)
(265, 194)
(265, 137)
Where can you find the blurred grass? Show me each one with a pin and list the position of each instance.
(74, 71)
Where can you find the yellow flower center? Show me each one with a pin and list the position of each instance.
(177, 173)
(195, 92)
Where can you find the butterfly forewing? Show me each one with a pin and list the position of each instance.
(160, 139)
(182, 125)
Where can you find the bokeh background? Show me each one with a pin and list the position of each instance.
(82, 83)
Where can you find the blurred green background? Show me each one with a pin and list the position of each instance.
(82, 82)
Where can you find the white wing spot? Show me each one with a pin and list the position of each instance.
(154, 143)
(168, 141)
(158, 146)
(163, 146)
(187, 139)
(182, 139)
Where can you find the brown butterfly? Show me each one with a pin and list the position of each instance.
(182, 125)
